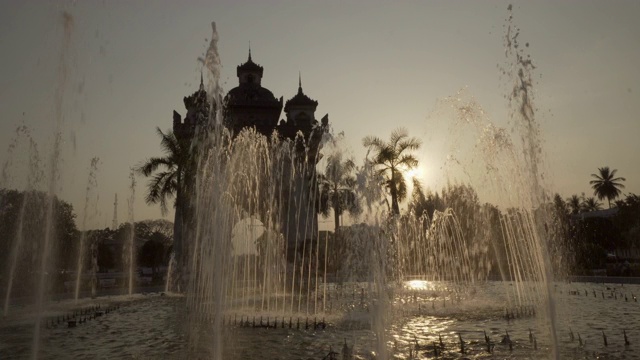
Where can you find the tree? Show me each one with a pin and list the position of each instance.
(152, 254)
(105, 258)
(170, 175)
(591, 204)
(560, 206)
(161, 226)
(424, 203)
(628, 220)
(391, 158)
(575, 204)
(337, 188)
(23, 215)
(168, 182)
(606, 185)
(463, 200)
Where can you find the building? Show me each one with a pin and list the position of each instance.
(250, 105)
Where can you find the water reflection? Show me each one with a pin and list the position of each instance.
(418, 285)
(154, 326)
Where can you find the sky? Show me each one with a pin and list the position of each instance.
(373, 66)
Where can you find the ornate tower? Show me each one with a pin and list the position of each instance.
(198, 110)
(249, 104)
(300, 111)
(301, 125)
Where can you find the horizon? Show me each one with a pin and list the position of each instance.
(383, 65)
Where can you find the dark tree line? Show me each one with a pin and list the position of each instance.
(153, 240)
(23, 219)
(576, 241)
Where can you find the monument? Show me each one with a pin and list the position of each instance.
(250, 106)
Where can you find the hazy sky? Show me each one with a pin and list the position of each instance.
(372, 65)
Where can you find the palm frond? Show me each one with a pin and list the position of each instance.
(161, 187)
(408, 160)
(166, 171)
(397, 136)
(373, 142)
(152, 164)
(409, 144)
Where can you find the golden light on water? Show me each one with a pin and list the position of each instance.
(418, 284)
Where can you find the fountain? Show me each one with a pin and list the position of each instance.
(388, 287)
(130, 246)
(91, 186)
(235, 179)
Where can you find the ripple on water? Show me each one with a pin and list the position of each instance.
(154, 327)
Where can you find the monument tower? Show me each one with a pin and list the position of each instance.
(250, 105)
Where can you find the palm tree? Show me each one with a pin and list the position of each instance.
(391, 158)
(169, 180)
(591, 204)
(575, 204)
(606, 185)
(560, 205)
(337, 186)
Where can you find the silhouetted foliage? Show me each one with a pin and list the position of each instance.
(591, 204)
(152, 253)
(172, 176)
(167, 173)
(628, 221)
(574, 204)
(391, 158)
(592, 239)
(110, 244)
(147, 228)
(606, 185)
(557, 231)
(424, 203)
(103, 241)
(464, 201)
(106, 258)
(479, 224)
(23, 214)
(337, 188)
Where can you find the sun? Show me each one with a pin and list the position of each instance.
(416, 172)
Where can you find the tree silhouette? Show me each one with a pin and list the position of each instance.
(591, 204)
(152, 253)
(337, 188)
(606, 185)
(575, 204)
(170, 176)
(169, 171)
(391, 158)
(560, 206)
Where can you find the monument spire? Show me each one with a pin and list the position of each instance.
(201, 81)
(299, 82)
(249, 50)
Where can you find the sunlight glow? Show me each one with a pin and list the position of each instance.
(417, 172)
(417, 284)
(412, 173)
